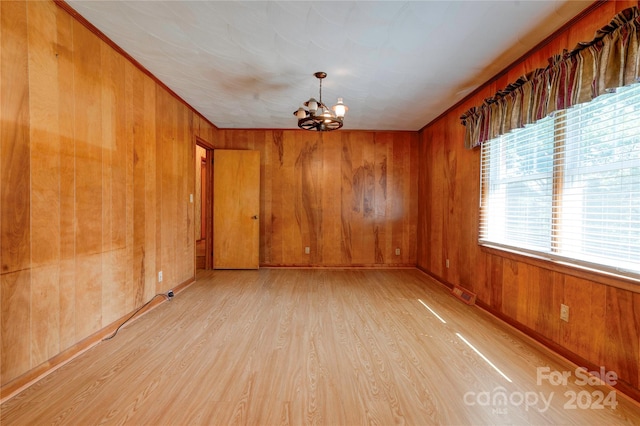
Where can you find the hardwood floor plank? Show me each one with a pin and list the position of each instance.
(307, 346)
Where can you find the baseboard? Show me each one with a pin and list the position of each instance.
(363, 266)
(41, 371)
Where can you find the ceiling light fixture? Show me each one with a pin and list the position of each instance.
(317, 116)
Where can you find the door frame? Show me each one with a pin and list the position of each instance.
(208, 200)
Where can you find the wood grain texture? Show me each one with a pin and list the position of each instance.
(236, 195)
(45, 167)
(349, 196)
(15, 253)
(339, 347)
(16, 327)
(96, 161)
(603, 322)
(15, 250)
(63, 45)
(141, 156)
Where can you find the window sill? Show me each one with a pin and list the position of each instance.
(606, 278)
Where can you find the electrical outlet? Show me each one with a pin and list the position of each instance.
(447, 263)
(398, 252)
(564, 313)
(191, 198)
(160, 276)
(307, 250)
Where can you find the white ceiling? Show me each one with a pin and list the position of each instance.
(397, 64)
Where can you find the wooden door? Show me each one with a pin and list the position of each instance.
(236, 205)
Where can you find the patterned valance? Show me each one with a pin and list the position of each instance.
(610, 60)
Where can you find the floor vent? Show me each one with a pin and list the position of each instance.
(463, 294)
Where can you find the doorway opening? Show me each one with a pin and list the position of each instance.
(204, 204)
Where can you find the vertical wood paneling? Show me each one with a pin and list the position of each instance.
(15, 254)
(603, 325)
(330, 185)
(182, 233)
(349, 196)
(510, 288)
(115, 150)
(67, 283)
(355, 208)
(495, 276)
(423, 251)
(45, 313)
(88, 180)
(308, 197)
(88, 137)
(586, 301)
(140, 188)
(145, 290)
(167, 134)
(96, 167)
(127, 198)
(622, 333)
(383, 236)
(367, 174)
(346, 191)
(399, 201)
(45, 184)
(15, 165)
(435, 205)
(266, 195)
(187, 255)
(45, 139)
(16, 323)
(274, 252)
(292, 242)
(411, 226)
(549, 300)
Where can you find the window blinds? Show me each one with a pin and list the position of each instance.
(568, 186)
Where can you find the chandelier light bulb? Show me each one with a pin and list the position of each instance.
(312, 104)
(340, 108)
(301, 113)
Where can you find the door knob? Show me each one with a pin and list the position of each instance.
(254, 217)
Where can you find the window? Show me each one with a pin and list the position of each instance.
(568, 186)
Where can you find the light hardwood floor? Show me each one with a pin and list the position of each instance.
(336, 347)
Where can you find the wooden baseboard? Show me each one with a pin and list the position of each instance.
(363, 266)
(16, 385)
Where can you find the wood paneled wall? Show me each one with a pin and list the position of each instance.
(604, 327)
(350, 196)
(97, 164)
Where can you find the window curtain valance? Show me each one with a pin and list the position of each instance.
(610, 60)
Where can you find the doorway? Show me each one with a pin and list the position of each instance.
(204, 205)
(227, 225)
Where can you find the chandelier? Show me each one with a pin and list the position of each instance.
(317, 116)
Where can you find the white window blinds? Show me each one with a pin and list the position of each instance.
(568, 186)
